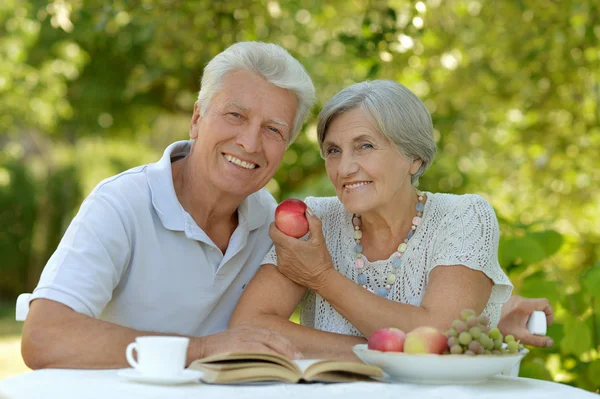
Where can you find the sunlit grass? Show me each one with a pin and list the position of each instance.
(295, 317)
(11, 362)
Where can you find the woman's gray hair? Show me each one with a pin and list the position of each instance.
(393, 110)
(270, 61)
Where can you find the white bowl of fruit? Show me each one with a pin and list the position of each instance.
(468, 353)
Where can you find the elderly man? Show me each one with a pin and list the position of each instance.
(167, 248)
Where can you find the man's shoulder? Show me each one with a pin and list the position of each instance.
(136, 181)
(130, 186)
(124, 178)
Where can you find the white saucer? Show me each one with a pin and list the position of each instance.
(186, 376)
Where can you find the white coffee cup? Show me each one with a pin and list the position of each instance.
(158, 356)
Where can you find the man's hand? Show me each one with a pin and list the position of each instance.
(516, 312)
(246, 338)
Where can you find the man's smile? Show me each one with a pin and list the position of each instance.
(239, 162)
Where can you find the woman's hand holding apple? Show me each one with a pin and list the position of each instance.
(306, 262)
(290, 218)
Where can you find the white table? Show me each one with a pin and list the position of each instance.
(91, 384)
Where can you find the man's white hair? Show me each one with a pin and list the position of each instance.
(270, 61)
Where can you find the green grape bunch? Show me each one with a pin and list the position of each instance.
(471, 335)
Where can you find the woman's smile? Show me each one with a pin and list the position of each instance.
(356, 186)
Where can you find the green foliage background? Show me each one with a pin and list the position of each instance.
(90, 88)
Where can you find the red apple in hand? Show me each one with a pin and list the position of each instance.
(425, 340)
(387, 340)
(290, 219)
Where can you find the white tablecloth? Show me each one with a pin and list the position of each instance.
(106, 384)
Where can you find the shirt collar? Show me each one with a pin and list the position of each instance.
(160, 181)
(252, 212)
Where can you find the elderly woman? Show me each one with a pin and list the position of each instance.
(381, 253)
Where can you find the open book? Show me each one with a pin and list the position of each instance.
(244, 367)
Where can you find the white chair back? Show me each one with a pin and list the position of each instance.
(22, 307)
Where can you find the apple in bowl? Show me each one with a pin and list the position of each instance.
(290, 218)
(387, 340)
(425, 340)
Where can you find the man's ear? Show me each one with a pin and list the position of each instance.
(196, 117)
(415, 166)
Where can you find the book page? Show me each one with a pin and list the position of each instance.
(313, 368)
(239, 358)
(304, 364)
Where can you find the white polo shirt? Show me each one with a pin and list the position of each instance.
(133, 256)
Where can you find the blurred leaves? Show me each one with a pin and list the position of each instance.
(535, 369)
(591, 282)
(594, 372)
(577, 339)
(539, 286)
(17, 219)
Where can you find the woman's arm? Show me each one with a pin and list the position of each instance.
(450, 289)
(268, 302)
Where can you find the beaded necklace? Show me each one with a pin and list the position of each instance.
(359, 263)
